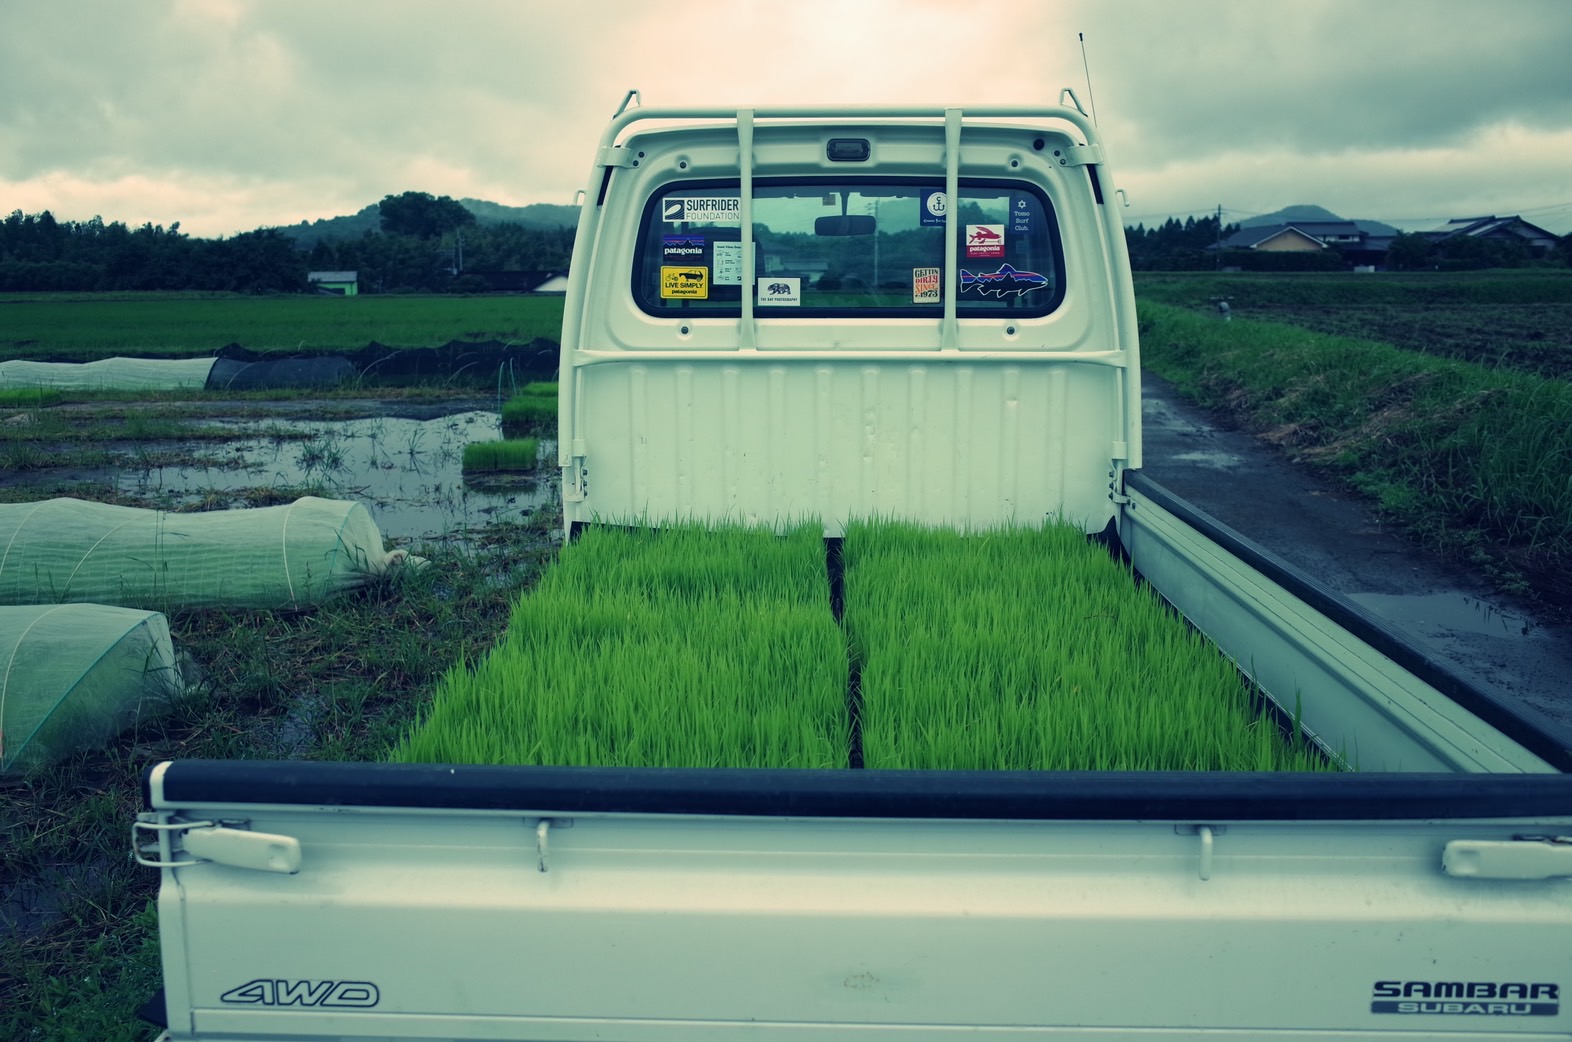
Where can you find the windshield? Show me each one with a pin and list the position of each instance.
(839, 247)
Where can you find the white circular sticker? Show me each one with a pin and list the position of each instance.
(936, 203)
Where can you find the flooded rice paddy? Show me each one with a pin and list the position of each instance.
(404, 464)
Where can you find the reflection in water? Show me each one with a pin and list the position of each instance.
(407, 472)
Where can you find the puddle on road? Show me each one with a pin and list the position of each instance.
(407, 472)
(1215, 460)
(1442, 613)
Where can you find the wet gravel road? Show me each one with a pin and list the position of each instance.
(1339, 541)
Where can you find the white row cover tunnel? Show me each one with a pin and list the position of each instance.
(74, 675)
(290, 556)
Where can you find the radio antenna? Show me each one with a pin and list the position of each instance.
(1087, 66)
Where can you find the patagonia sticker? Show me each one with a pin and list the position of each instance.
(934, 205)
(726, 264)
(1003, 282)
(985, 240)
(702, 210)
(925, 285)
(684, 282)
(780, 292)
(677, 249)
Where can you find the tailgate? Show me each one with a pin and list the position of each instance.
(577, 903)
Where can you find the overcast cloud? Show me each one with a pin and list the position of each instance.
(226, 115)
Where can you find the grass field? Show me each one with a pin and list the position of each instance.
(1516, 320)
(83, 327)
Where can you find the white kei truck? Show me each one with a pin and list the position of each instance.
(923, 314)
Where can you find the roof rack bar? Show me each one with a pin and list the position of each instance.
(746, 337)
(949, 330)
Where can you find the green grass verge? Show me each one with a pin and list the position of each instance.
(1035, 650)
(82, 327)
(510, 454)
(1472, 458)
(672, 648)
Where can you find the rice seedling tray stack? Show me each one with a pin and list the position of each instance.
(642, 648)
(1033, 649)
(1006, 650)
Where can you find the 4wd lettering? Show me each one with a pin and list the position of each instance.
(1471, 998)
(325, 994)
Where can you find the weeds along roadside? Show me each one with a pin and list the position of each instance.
(1471, 460)
(78, 941)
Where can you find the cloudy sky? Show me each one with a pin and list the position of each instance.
(227, 115)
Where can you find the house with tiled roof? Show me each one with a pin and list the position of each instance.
(1356, 244)
(1504, 229)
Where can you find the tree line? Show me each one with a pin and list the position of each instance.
(433, 244)
(424, 244)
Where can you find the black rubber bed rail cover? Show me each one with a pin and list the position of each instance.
(978, 795)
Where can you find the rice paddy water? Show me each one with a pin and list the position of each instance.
(1007, 650)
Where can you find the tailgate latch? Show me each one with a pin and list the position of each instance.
(1521, 857)
(220, 842)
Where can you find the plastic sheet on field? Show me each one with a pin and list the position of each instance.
(74, 675)
(109, 374)
(70, 550)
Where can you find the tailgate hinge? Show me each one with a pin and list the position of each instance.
(221, 842)
(1079, 155)
(616, 155)
(1521, 857)
(575, 486)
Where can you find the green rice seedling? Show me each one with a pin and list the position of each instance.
(28, 398)
(1034, 650)
(672, 648)
(512, 454)
(526, 410)
(540, 389)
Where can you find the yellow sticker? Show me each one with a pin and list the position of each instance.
(683, 282)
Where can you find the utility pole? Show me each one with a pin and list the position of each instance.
(1218, 260)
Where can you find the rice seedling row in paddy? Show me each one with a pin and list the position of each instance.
(535, 405)
(508, 454)
(691, 648)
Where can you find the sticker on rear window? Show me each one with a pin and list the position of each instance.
(985, 240)
(780, 292)
(1021, 218)
(925, 285)
(934, 204)
(684, 282)
(726, 264)
(702, 210)
(679, 248)
(1003, 282)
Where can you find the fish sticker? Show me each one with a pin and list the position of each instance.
(1003, 282)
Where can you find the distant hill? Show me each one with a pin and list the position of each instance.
(369, 219)
(1311, 212)
(536, 215)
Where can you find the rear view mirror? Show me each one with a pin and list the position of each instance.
(853, 224)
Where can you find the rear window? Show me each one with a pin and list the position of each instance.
(841, 247)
